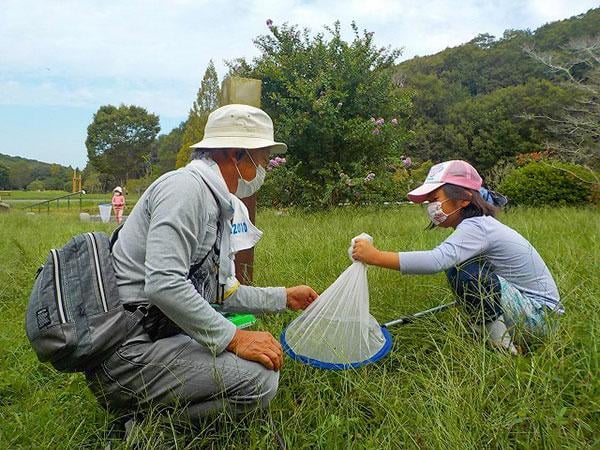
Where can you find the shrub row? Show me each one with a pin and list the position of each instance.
(535, 183)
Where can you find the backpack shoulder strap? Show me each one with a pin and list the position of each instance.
(216, 249)
(114, 236)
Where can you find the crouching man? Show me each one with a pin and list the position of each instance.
(173, 258)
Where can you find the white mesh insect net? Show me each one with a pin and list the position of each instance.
(337, 331)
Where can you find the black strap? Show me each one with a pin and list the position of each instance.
(114, 236)
(216, 250)
(196, 266)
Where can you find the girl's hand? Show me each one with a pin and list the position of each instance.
(365, 252)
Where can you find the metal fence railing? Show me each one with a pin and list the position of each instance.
(66, 198)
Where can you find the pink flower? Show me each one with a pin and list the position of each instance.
(276, 162)
(394, 121)
(379, 121)
(376, 131)
(269, 23)
(370, 176)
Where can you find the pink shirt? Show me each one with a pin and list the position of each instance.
(118, 201)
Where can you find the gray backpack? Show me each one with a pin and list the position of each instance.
(74, 317)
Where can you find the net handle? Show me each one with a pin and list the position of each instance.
(404, 320)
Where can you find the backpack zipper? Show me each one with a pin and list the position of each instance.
(99, 278)
(57, 287)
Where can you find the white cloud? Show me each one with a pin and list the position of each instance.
(551, 10)
(153, 53)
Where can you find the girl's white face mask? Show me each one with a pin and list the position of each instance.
(436, 213)
(248, 188)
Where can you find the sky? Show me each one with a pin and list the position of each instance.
(60, 60)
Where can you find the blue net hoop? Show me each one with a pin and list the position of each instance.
(387, 346)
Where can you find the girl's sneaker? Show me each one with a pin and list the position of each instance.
(499, 337)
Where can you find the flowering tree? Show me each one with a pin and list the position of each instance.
(322, 91)
(276, 162)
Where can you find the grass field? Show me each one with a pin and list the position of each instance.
(439, 388)
(19, 200)
(29, 195)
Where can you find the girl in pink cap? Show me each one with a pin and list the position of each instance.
(500, 280)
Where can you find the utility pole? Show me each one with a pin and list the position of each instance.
(76, 182)
(246, 91)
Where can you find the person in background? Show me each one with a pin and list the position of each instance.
(500, 280)
(118, 203)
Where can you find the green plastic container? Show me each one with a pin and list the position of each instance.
(241, 320)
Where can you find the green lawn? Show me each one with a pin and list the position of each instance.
(19, 200)
(439, 388)
(28, 195)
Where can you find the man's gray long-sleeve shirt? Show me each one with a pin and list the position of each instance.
(511, 255)
(172, 227)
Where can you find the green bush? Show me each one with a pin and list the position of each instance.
(283, 187)
(36, 185)
(357, 184)
(548, 183)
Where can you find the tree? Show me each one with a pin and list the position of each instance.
(54, 183)
(486, 128)
(576, 128)
(20, 175)
(207, 100)
(4, 177)
(119, 139)
(322, 91)
(166, 148)
(56, 170)
(36, 185)
(93, 181)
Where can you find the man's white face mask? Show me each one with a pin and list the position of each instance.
(248, 188)
(244, 234)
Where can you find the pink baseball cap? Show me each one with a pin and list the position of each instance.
(457, 172)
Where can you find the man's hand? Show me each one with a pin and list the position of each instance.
(299, 297)
(365, 252)
(259, 346)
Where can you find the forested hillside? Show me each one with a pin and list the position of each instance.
(20, 173)
(484, 100)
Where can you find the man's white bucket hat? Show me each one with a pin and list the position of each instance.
(239, 126)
